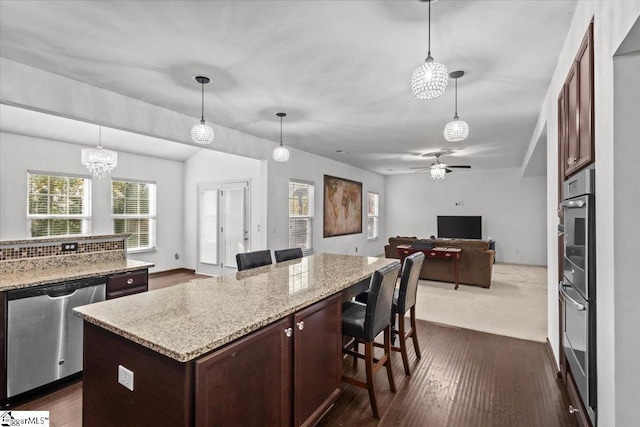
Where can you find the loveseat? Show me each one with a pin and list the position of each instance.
(476, 259)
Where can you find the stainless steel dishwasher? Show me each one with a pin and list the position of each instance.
(44, 337)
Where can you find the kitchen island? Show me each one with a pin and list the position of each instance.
(261, 347)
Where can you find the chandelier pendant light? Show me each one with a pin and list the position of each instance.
(456, 130)
(429, 80)
(281, 154)
(99, 160)
(202, 133)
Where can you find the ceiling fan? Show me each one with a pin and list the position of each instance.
(437, 168)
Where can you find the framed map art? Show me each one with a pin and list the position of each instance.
(342, 206)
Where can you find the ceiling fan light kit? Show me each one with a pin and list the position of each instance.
(456, 130)
(202, 133)
(98, 160)
(429, 80)
(281, 154)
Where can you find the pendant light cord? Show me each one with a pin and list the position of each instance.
(456, 97)
(202, 110)
(429, 52)
(281, 131)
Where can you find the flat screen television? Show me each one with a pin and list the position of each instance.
(460, 227)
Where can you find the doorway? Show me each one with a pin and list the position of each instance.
(223, 226)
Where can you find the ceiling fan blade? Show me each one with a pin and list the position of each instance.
(448, 170)
(460, 166)
(420, 167)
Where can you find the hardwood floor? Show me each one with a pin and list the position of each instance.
(464, 379)
(172, 277)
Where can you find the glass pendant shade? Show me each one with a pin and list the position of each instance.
(456, 130)
(202, 133)
(98, 160)
(280, 154)
(429, 80)
(438, 171)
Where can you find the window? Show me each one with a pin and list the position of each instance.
(372, 215)
(301, 216)
(134, 211)
(58, 205)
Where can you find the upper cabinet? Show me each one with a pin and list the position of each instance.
(575, 111)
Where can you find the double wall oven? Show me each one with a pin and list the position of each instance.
(578, 287)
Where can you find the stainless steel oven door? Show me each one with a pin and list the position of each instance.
(576, 337)
(577, 237)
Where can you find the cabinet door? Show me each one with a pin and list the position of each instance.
(562, 138)
(585, 107)
(317, 359)
(3, 325)
(247, 383)
(571, 150)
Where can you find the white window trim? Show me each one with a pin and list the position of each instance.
(151, 217)
(86, 203)
(377, 236)
(311, 218)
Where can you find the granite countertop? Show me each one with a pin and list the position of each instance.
(37, 277)
(57, 239)
(188, 320)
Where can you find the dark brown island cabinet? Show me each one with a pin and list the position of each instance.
(576, 111)
(287, 373)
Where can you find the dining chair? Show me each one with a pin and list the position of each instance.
(254, 259)
(287, 254)
(364, 322)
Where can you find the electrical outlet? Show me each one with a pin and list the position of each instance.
(356, 249)
(177, 255)
(125, 377)
(69, 247)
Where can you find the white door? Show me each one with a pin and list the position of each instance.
(223, 226)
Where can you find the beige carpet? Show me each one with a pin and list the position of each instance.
(515, 305)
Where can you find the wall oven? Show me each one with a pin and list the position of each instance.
(578, 287)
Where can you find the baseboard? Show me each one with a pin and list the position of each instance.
(552, 359)
(172, 271)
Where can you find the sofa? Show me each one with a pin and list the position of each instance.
(475, 265)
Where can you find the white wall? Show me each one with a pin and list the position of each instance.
(309, 167)
(626, 212)
(612, 22)
(512, 208)
(209, 166)
(18, 154)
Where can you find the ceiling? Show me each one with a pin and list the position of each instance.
(340, 70)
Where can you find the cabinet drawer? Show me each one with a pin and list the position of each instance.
(126, 284)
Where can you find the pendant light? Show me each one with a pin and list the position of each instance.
(456, 130)
(202, 133)
(98, 160)
(429, 80)
(281, 154)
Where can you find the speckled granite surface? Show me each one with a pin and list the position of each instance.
(188, 320)
(85, 266)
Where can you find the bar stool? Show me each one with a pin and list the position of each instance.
(404, 300)
(287, 254)
(363, 322)
(254, 259)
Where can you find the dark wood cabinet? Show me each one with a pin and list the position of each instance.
(317, 359)
(3, 349)
(133, 282)
(289, 370)
(576, 110)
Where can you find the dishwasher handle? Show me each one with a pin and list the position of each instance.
(55, 290)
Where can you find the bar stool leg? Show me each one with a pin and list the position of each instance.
(387, 354)
(414, 332)
(368, 362)
(403, 344)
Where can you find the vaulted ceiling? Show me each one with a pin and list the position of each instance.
(339, 69)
